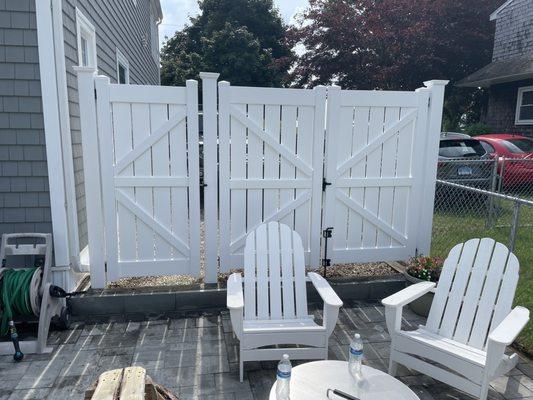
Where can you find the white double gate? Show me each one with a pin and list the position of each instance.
(360, 162)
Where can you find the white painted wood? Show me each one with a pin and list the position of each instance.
(210, 139)
(275, 298)
(149, 153)
(312, 381)
(429, 162)
(470, 321)
(90, 148)
(265, 175)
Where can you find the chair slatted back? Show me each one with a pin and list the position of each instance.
(475, 291)
(274, 274)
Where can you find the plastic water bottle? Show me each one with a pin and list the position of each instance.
(283, 378)
(356, 357)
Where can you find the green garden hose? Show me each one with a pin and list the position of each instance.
(15, 298)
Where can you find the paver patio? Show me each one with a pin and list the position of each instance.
(198, 358)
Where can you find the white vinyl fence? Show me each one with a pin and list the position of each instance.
(360, 162)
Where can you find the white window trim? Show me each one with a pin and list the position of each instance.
(86, 28)
(122, 60)
(521, 91)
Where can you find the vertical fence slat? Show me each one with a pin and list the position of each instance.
(95, 221)
(210, 190)
(224, 171)
(430, 163)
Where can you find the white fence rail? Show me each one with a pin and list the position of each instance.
(357, 161)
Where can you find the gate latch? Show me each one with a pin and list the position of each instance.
(325, 184)
(327, 233)
(326, 262)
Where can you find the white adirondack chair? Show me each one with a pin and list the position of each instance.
(273, 308)
(470, 322)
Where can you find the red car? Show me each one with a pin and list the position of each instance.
(515, 147)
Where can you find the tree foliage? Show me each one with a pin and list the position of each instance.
(396, 44)
(244, 40)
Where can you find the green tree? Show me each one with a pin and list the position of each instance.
(244, 40)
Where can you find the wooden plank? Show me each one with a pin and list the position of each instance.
(133, 384)
(149, 181)
(458, 288)
(271, 162)
(250, 277)
(443, 288)
(193, 153)
(489, 294)
(274, 268)
(373, 165)
(377, 98)
(271, 96)
(142, 167)
(300, 292)
(388, 166)
(302, 214)
(287, 170)
(161, 167)
(148, 94)
(357, 172)
(180, 222)
(108, 385)
(473, 292)
(507, 292)
(261, 248)
(287, 273)
(225, 195)
(254, 203)
(355, 183)
(342, 146)
(123, 145)
(271, 184)
(404, 157)
(238, 212)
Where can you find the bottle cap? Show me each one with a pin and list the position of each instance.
(285, 356)
(357, 336)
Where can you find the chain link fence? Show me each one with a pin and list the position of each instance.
(493, 199)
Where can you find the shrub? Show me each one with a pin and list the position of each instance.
(477, 128)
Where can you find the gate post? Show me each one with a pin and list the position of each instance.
(91, 169)
(210, 190)
(431, 156)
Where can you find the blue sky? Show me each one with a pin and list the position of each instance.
(176, 13)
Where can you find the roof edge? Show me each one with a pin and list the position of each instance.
(494, 15)
(159, 10)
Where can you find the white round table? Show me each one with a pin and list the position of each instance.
(311, 381)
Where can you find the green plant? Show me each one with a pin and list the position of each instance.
(477, 128)
(425, 268)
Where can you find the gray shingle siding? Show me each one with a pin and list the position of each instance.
(514, 30)
(118, 24)
(24, 197)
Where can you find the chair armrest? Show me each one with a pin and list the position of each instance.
(235, 297)
(325, 290)
(408, 294)
(507, 331)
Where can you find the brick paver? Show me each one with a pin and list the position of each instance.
(197, 357)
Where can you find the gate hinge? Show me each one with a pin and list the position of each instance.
(325, 184)
(326, 262)
(327, 233)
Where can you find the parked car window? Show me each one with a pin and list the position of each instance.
(488, 147)
(461, 148)
(519, 146)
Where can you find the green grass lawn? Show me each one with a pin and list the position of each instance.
(467, 219)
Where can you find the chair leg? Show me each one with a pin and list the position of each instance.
(241, 366)
(483, 394)
(393, 367)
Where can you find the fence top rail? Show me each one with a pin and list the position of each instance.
(487, 192)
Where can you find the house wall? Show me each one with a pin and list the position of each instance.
(502, 108)
(118, 23)
(514, 30)
(24, 197)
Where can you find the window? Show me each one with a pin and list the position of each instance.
(123, 69)
(519, 146)
(524, 106)
(86, 36)
(461, 148)
(488, 147)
